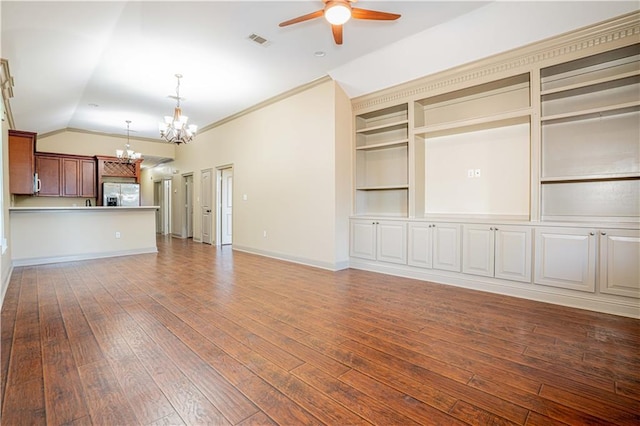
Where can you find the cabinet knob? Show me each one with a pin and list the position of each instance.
(591, 233)
(491, 229)
(603, 233)
(495, 229)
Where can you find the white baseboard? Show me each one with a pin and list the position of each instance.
(609, 304)
(85, 256)
(303, 261)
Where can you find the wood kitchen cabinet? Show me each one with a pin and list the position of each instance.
(66, 176)
(78, 178)
(49, 175)
(22, 146)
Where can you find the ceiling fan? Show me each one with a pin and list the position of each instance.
(337, 12)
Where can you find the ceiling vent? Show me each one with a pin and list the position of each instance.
(258, 39)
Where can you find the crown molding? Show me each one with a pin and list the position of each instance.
(90, 132)
(267, 102)
(617, 32)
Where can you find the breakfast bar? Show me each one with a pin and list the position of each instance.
(42, 235)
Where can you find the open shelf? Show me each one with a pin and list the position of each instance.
(383, 145)
(511, 118)
(473, 105)
(590, 137)
(392, 116)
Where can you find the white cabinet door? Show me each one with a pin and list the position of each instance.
(620, 262)
(566, 257)
(420, 245)
(513, 253)
(392, 242)
(363, 239)
(478, 250)
(446, 247)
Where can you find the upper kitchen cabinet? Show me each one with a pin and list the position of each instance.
(22, 146)
(66, 175)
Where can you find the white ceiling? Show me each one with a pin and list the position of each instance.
(92, 65)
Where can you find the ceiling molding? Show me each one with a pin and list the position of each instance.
(111, 135)
(617, 32)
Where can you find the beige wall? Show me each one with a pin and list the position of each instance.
(82, 143)
(291, 159)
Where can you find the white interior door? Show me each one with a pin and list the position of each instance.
(166, 207)
(226, 206)
(188, 206)
(207, 195)
(157, 201)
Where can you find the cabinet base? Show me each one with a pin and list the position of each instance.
(590, 301)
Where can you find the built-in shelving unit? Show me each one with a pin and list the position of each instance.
(517, 174)
(382, 150)
(590, 126)
(483, 127)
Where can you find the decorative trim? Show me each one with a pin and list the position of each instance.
(6, 87)
(620, 31)
(300, 260)
(93, 132)
(88, 256)
(267, 102)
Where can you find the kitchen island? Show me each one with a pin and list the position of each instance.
(42, 235)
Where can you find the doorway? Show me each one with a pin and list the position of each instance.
(224, 205)
(162, 198)
(207, 195)
(187, 222)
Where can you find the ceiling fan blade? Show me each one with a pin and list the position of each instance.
(357, 13)
(302, 18)
(337, 33)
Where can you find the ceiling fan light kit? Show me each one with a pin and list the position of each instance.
(175, 128)
(338, 12)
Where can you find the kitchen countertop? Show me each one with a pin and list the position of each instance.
(81, 208)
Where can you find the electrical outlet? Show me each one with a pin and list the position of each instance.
(477, 172)
(264, 234)
(117, 234)
(470, 173)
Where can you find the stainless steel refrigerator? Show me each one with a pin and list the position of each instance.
(120, 194)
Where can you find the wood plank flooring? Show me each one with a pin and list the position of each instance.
(199, 335)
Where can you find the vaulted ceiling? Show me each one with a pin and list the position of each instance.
(91, 65)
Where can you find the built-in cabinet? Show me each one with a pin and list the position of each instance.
(566, 258)
(502, 251)
(65, 176)
(385, 241)
(619, 262)
(434, 246)
(520, 171)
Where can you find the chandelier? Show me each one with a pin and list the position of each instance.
(127, 155)
(175, 129)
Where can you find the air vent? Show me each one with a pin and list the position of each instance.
(258, 39)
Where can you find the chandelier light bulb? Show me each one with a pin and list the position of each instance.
(337, 13)
(175, 128)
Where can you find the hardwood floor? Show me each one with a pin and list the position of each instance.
(199, 335)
